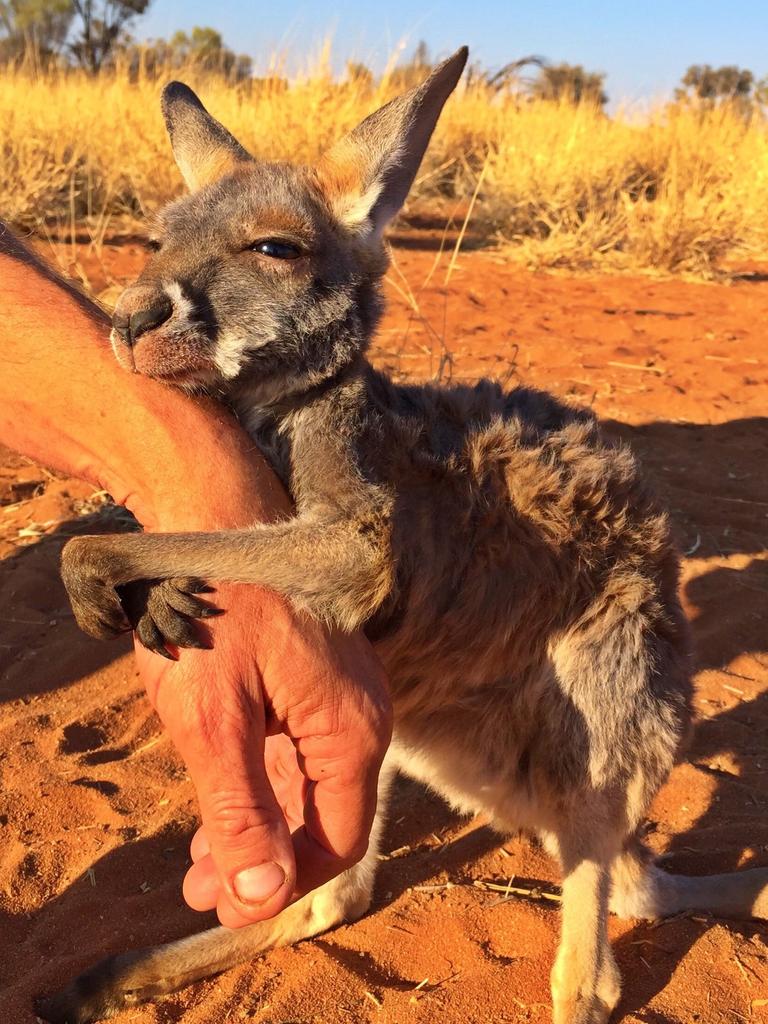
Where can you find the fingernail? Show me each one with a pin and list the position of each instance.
(257, 885)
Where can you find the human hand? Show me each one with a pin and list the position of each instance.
(65, 402)
(283, 727)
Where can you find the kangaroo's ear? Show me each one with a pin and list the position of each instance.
(203, 148)
(366, 176)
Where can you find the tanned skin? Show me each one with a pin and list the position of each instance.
(66, 403)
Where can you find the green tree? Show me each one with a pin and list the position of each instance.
(101, 27)
(203, 48)
(727, 83)
(569, 83)
(40, 26)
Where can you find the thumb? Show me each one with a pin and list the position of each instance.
(248, 870)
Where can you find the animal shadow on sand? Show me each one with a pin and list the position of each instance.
(41, 647)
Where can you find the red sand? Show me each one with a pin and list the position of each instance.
(96, 810)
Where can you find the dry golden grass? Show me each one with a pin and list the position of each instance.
(678, 190)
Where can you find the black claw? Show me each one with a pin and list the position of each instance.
(164, 611)
(107, 628)
(194, 585)
(185, 604)
(177, 630)
(152, 638)
(201, 645)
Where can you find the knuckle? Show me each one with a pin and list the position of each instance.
(232, 815)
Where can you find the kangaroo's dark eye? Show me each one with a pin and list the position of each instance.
(277, 249)
(153, 244)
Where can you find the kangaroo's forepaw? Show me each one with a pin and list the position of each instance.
(163, 611)
(98, 611)
(85, 571)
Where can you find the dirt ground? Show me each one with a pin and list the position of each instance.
(96, 810)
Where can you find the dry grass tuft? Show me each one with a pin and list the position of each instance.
(680, 190)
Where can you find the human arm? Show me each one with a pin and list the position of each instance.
(184, 464)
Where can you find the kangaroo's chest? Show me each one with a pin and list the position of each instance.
(480, 576)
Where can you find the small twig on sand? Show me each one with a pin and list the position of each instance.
(421, 990)
(533, 892)
(636, 366)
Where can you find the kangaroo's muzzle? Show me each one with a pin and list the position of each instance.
(130, 324)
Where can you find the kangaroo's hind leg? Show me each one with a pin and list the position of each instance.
(586, 984)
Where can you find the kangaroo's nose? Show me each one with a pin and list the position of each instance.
(131, 327)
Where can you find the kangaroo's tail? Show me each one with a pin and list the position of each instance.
(640, 888)
(132, 978)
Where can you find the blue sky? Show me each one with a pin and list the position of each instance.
(643, 46)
